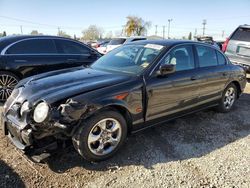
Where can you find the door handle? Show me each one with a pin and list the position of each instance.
(194, 78)
(20, 61)
(71, 60)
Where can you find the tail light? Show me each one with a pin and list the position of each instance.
(97, 46)
(224, 46)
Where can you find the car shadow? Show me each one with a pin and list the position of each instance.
(9, 178)
(184, 138)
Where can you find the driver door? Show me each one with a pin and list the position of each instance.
(176, 91)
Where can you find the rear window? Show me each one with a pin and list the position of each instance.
(242, 34)
(117, 41)
(33, 46)
(69, 47)
(138, 39)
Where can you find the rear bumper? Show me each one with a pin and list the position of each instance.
(245, 66)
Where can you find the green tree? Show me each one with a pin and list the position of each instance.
(63, 34)
(136, 26)
(92, 33)
(190, 36)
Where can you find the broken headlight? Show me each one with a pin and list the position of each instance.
(24, 107)
(41, 112)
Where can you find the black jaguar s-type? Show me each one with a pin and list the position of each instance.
(133, 87)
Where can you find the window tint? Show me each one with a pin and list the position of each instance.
(221, 59)
(242, 34)
(33, 46)
(136, 39)
(207, 56)
(117, 41)
(69, 47)
(182, 57)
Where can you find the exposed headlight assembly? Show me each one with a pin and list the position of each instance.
(24, 107)
(41, 112)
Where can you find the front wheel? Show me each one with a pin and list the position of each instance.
(100, 136)
(228, 98)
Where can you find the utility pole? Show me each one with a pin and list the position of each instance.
(195, 32)
(58, 31)
(163, 32)
(21, 28)
(204, 26)
(156, 30)
(223, 32)
(169, 20)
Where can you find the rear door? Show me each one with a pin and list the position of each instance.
(74, 54)
(238, 49)
(213, 73)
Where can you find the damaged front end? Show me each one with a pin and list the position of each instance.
(40, 139)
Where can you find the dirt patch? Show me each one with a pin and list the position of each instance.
(206, 149)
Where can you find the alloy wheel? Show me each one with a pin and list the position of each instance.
(229, 97)
(7, 84)
(105, 136)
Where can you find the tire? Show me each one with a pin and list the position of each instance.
(8, 81)
(95, 133)
(226, 102)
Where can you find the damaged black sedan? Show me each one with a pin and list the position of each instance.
(133, 87)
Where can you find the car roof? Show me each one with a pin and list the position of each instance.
(166, 42)
(5, 41)
(245, 26)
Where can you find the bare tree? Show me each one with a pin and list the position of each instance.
(92, 33)
(63, 34)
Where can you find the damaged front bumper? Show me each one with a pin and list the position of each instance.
(23, 139)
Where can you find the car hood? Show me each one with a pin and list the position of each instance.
(58, 85)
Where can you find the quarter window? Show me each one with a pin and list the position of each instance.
(207, 56)
(69, 47)
(182, 57)
(33, 46)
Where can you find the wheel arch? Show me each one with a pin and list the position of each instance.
(237, 84)
(19, 75)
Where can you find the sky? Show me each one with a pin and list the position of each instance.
(73, 16)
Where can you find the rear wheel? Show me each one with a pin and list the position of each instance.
(100, 136)
(228, 98)
(8, 81)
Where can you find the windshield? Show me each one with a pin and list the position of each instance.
(131, 59)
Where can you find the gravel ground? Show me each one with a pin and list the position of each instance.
(206, 149)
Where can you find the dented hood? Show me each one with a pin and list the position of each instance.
(58, 85)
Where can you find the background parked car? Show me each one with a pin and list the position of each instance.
(102, 47)
(208, 40)
(23, 56)
(114, 43)
(237, 46)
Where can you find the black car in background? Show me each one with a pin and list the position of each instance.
(24, 56)
(135, 86)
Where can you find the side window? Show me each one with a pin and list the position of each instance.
(221, 59)
(69, 47)
(182, 57)
(207, 56)
(33, 46)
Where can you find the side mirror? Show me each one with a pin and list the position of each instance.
(166, 69)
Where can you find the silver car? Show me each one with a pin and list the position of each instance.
(237, 47)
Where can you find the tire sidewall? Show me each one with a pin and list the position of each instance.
(80, 139)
